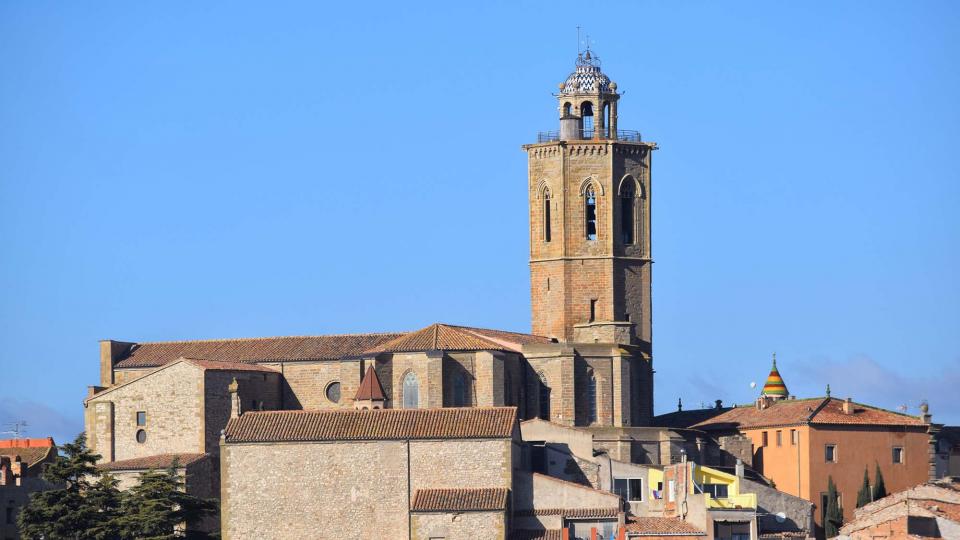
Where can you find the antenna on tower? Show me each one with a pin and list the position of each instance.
(578, 40)
(17, 429)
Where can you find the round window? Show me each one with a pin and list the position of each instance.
(141, 436)
(333, 392)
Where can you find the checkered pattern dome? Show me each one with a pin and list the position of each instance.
(587, 78)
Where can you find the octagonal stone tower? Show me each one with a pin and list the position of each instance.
(589, 194)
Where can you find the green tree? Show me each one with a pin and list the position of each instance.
(157, 508)
(833, 518)
(879, 488)
(864, 496)
(79, 503)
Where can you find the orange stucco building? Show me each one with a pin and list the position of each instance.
(800, 443)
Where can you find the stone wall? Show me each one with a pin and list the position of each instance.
(346, 489)
(257, 390)
(171, 397)
(459, 525)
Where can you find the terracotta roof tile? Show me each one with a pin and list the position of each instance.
(31, 451)
(381, 424)
(370, 389)
(827, 411)
(654, 526)
(571, 512)
(444, 337)
(159, 461)
(463, 499)
(529, 534)
(287, 349)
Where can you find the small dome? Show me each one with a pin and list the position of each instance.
(774, 386)
(587, 78)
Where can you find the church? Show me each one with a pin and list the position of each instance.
(453, 431)
(587, 363)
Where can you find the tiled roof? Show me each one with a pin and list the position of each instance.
(159, 461)
(444, 337)
(823, 411)
(370, 389)
(529, 534)
(464, 499)
(31, 451)
(269, 349)
(571, 512)
(381, 424)
(654, 526)
(685, 419)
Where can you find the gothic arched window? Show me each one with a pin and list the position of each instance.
(590, 395)
(590, 212)
(411, 391)
(627, 211)
(544, 397)
(546, 214)
(566, 110)
(460, 390)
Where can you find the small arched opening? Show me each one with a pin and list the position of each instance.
(586, 113)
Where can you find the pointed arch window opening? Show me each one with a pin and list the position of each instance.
(590, 213)
(411, 391)
(590, 394)
(628, 205)
(547, 233)
(544, 397)
(606, 121)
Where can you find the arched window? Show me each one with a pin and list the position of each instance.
(606, 119)
(590, 395)
(544, 397)
(627, 211)
(546, 214)
(411, 391)
(590, 212)
(566, 110)
(586, 113)
(459, 390)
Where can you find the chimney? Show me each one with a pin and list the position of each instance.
(739, 468)
(234, 398)
(848, 406)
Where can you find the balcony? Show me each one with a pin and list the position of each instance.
(626, 135)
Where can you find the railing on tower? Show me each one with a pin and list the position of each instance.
(627, 135)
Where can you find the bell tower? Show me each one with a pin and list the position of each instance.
(589, 188)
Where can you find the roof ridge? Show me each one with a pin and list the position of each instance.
(262, 338)
(495, 330)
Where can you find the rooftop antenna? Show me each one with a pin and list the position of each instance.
(903, 408)
(17, 429)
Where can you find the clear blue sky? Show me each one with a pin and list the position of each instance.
(184, 170)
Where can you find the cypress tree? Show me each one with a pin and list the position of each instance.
(72, 510)
(879, 489)
(157, 508)
(864, 496)
(833, 519)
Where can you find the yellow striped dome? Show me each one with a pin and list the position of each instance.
(774, 386)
